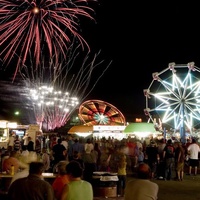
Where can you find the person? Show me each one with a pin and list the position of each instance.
(33, 186)
(59, 152)
(89, 159)
(89, 145)
(61, 179)
(17, 143)
(70, 149)
(30, 145)
(45, 159)
(142, 188)
(152, 156)
(121, 172)
(168, 157)
(37, 144)
(77, 157)
(64, 143)
(97, 149)
(193, 151)
(25, 140)
(77, 146)
(12, 160)
(26, 160)
(140, 156)
(76, 189)
(180, 161)
(161, 164)
(11, 141)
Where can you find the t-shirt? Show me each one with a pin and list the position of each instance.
(194, 150)
(58, 150)
(169, 151)
(58, 185)
(80, 190)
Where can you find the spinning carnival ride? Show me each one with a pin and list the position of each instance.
(97, 112)
(173, 97)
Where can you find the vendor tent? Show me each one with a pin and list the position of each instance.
(80, 129)
(141, 129)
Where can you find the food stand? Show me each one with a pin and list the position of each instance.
(5, 126)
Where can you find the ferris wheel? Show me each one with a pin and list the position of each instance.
(97, 112)
(173, 97)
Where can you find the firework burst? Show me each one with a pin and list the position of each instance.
(40, 26)
(56, 90)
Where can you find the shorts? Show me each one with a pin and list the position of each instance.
(193, 162)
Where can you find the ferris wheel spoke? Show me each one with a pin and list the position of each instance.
(170, 90)
(93, 107)
(194, 113)
(86, 110)
(169, 113)
(102, 108)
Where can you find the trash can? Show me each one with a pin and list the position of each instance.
(105, 184)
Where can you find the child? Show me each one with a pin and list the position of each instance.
(121, 175)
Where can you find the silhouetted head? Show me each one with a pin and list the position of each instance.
(36, 168)
(59, 141)
(169, 141)
(74, 169)
(193, 140)
(144, 171)
(61, 167)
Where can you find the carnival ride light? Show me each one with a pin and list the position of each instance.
(175, 97)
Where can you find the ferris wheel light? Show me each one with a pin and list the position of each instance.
(171, 65)
(97, 112)
(155, 76)
(191, 66)
(146, 112)
(35, 97)
(146, 93)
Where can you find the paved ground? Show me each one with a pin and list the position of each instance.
(188, 189)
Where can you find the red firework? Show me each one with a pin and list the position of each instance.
(38, 26)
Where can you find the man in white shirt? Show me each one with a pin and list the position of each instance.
(193, 151)
(11, 141)
(25, 139)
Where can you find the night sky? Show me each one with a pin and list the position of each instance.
(140, 38)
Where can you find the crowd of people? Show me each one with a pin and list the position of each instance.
(74, 160)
